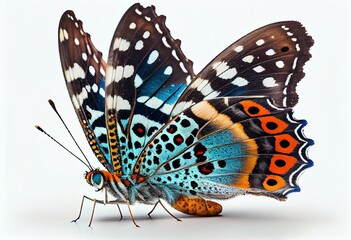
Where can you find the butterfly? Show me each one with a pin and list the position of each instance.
(160, 131)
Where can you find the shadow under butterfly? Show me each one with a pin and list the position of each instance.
(162, 132)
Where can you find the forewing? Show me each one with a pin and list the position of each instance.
(84, 69)
(267, 62)
(146, 74)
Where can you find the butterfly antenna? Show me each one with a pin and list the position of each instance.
(42, 130)
(52, 104)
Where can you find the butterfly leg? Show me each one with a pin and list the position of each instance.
(92, 213)
(197, 206)
(81, 207)
(149, 214)
(159, 202)
(120, 212)
(112, 202)
(131, 215)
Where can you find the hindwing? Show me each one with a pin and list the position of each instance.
(223, 147)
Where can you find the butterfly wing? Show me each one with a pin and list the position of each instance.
(267, 62)
(84, 70)
(145, 76)
(224, 147)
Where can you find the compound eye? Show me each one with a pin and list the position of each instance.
(97, 180)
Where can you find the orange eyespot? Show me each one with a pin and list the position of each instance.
(273, 125)
(285, 143)
(273, 183)
(281, 164)
(254, 109)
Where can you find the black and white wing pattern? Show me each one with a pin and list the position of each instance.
(84, 72)
(267, 62)
(146, 74)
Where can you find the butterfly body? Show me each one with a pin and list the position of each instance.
(163, 133)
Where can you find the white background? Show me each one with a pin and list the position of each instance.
(42, 185)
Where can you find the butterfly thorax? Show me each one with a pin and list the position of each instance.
(125, 188)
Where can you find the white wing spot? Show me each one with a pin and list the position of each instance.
(138, 11)
(158, 28)
(298, 47)
(78, 99)
(174, 53)
(92, 70)
(88, 88)
(269, 82)
(76, 24)
(76, 41)
(84, 56)
(121, 44)
(137, 81)
(62, 38)
(102, 71)
(89, 50)
(294, 63)
(132, 25)
(289, 33)
(223, 71)
(259, 69)
(146, 34)
(240, 82)
(260, 42)
(182, 67)
(154, 103)
(220, 67)
(147, 19)
(207, 89)
(166, 108)
(102, 92)
(238, 49)
(95, 87)
(229, 74)
(270, 52)
(122, 104)
(164, 40)
(188, 79)
(121, 72)
(74, 73)
(143, 99)
(285, 28)
(139, 45)
(279, 64)
(153, 57)
(168, 70)
(95, 58)
(128, 71)
(65, 33)
(248, 59)
(213, 94)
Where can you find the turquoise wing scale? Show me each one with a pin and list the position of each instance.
(84, 71)
(233, 131)
(146, 74)
(228, 146)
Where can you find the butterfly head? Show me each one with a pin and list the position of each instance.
(95, 178)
